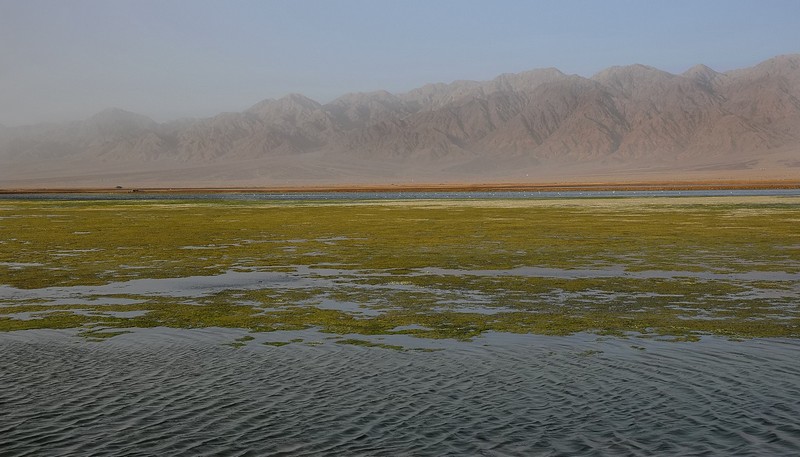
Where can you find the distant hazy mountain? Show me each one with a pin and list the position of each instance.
(630, 122)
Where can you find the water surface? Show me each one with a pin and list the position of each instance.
(173, 392)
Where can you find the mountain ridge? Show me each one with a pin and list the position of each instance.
(542, 123)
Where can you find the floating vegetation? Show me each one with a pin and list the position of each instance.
(240, 342)
(370, 344)
(664, 267)
(98, 335)
(277, 343)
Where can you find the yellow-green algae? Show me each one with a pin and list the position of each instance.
(421, 268)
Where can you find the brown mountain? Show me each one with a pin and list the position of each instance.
(627, 123)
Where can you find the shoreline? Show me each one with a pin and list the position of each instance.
(433, 187)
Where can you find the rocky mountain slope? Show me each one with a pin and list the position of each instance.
(626, 122)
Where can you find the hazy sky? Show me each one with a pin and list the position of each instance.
(67, 59)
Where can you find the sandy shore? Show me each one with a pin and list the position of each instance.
(438, 187)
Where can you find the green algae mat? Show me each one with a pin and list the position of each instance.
(673, 268)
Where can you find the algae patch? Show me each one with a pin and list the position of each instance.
(675, 268)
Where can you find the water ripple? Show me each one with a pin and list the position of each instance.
(183, 393)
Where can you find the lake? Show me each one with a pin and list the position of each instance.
(400, 324)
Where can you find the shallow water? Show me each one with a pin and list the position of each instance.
(173, 392)
(301, 277)
(191, 392)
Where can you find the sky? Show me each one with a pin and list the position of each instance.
(69, 59)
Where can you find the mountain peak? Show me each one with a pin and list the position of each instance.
(288, 103)
(630, 78)
(263, 104)
(783, 63)
(527, 80)
(700, 70)
(118, 114)
(702, 74)
(119, 120)
(356, 97)
(636, 70)
(299, 100)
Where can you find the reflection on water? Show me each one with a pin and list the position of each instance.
(159, 392)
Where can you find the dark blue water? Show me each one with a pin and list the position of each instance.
(335, 196)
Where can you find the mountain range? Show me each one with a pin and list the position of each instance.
(624, 123)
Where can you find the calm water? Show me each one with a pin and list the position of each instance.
(404, 195)
(168, 392)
